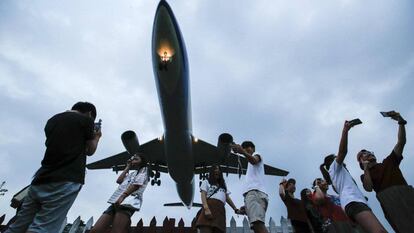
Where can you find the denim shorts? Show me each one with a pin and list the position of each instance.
(45, 207)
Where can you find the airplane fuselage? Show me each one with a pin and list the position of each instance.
(171, 74)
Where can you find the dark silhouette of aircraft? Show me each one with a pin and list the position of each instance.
(177, 152)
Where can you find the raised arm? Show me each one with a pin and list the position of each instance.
(399, 147)
(253, 159)
(282, 191)
(343, 144)
(121, 177)
(92, 144)
(367, 181)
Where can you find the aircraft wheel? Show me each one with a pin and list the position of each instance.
(159, 182)
(157, 175)
(152, 182)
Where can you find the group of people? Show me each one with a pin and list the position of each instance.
(72, 135)
(348, 210)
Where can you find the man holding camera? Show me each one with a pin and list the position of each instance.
(70, 136)
(386, 179)
(255, 197)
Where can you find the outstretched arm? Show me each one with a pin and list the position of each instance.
(92, 144)
(343, 144)
(282, 192)
(399, 147)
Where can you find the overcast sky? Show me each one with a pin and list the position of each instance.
(285, 74)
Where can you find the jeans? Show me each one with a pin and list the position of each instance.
(45, 207)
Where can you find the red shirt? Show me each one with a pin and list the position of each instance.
(329, 210)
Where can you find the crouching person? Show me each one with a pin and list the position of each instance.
(126, 199)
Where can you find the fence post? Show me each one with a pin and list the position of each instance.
(246, 225)
(75, 225)
(88, 225)
(272, 226)
(140, 227)
(180, 227)
(153, 226)
(232, 228)
(284, 225)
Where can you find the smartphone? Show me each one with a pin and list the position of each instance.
(356, 121)
(98, 125)
(386, 114)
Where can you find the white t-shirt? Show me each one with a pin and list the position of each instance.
(220, 194)
(134, 178)
(345, 185)
(255, 175)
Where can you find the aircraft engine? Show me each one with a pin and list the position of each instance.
(130, 141)
(224, 148)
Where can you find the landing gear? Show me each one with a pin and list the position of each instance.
(202, 176)
(155, 178)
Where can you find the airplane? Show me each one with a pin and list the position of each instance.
(177, 151)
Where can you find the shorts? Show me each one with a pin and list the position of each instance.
(354, 208)
(256, 203)
(119, 209)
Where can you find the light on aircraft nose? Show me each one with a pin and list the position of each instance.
(165, 57)
(195, 139)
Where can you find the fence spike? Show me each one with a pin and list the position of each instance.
(140, 223)
(75, 225)
(165, 222)
(246, 225)
(233, 225)
(153, 221)
(284, 224)
(181, 223)
(88, 225)
(2, 218)
(272, 226)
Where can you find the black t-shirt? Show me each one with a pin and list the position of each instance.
(65, 158)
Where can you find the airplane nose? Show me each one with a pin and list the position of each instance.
(186, 193)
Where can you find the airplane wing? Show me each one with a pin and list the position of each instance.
(207, 155)
(153, 151)
(179, 204)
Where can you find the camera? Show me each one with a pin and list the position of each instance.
(98, 125)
